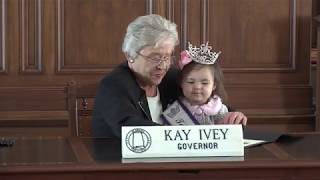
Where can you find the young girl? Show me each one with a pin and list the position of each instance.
(203, 91)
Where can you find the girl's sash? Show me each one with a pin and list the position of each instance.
(178, 114)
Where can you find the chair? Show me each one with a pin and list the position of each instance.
(80, 106)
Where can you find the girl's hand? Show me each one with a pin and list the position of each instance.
(234, 118)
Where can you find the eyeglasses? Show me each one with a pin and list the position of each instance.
(157, 59)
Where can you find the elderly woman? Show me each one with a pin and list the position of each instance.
(136, 92)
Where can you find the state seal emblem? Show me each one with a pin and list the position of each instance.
(138, 140)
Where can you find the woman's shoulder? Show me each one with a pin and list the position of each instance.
(120, 77)
(120, 74)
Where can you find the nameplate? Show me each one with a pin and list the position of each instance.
(182, 141)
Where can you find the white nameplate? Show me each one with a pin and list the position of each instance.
(182, 141)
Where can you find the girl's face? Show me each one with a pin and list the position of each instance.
(198, 85)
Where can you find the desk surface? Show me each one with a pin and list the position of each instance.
(296, 156)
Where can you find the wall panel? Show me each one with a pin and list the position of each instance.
(3, 63)
(264, 56)
(252, 35)
(87, 40)
(31, 36)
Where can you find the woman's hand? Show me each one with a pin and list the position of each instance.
(234, 118)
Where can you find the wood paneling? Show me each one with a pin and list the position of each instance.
(265, 55)
(95, 39)
(43, 109)
(31, 36)
(318, 95)
(253, 37)
(3, 14)
(32, 98)
(264, 48)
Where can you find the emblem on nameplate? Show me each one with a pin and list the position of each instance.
(138, 140)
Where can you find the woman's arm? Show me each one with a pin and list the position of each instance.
(115, 107)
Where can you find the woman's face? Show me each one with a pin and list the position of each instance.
(198, 85)
(152, 63)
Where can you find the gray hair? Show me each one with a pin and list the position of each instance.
(148, 30)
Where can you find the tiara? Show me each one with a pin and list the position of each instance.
(203, 54)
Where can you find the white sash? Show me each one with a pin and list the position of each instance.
(178, 114)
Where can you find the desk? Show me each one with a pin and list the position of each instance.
(79, 158)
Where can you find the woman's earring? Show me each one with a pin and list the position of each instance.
(129, 58)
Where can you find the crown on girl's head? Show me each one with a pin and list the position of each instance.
(203, 54)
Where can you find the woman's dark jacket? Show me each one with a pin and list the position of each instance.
(121, 102)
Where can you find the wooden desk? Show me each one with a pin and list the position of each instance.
(85, 158)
